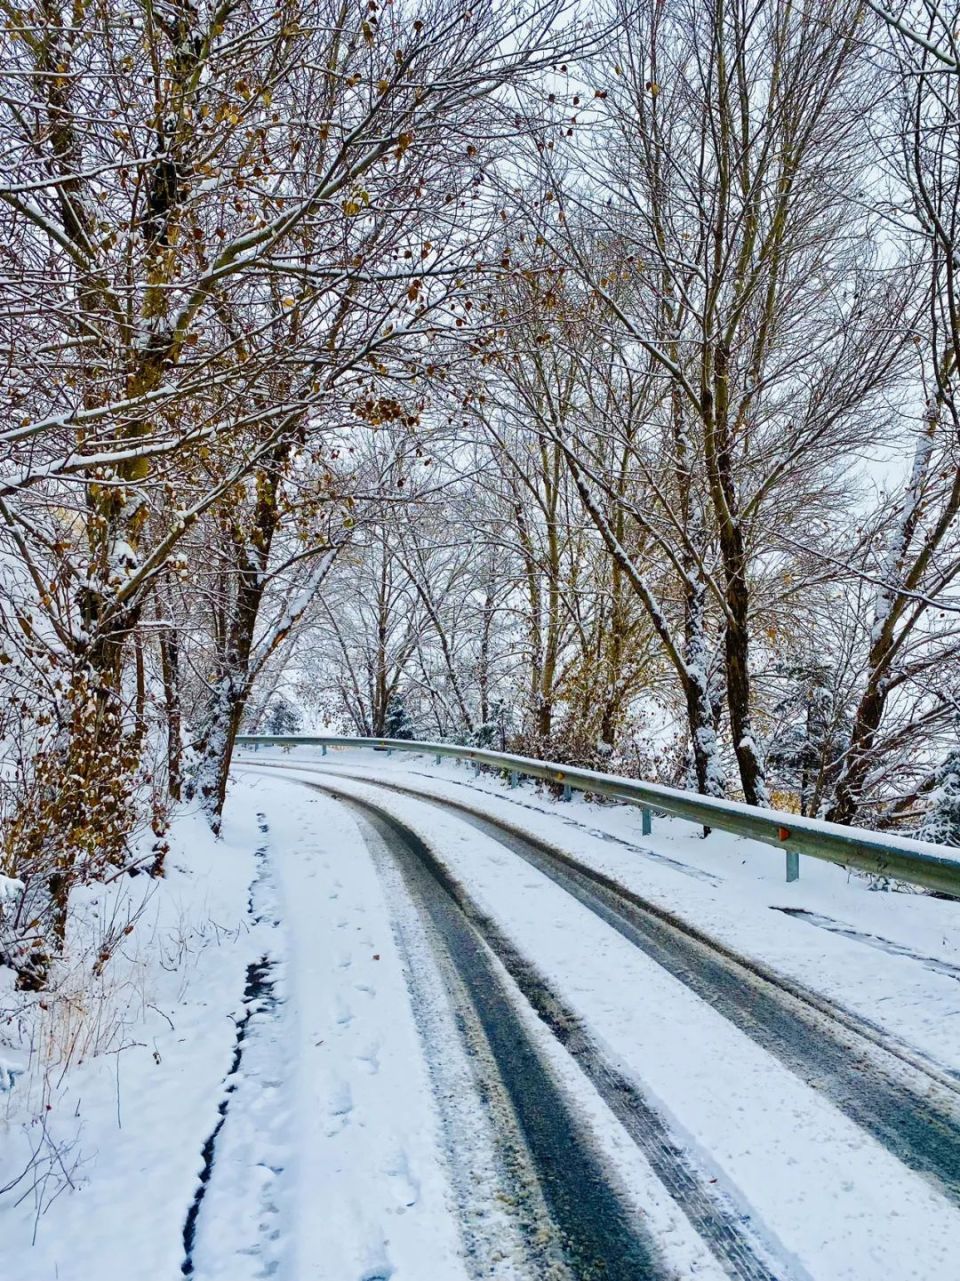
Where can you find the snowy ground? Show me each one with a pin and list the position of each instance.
(273, 1077)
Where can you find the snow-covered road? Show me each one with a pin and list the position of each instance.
(436, 1029)
(743, 1131)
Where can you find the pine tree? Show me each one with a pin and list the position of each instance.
(397, 722)
(491, 732)
(941, 822)
(282, 717)
(810, 736)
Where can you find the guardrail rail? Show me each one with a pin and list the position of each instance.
(898, 857)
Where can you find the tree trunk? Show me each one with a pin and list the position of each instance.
(846, 801)
(701, 721)
(737, 656)
(170, 672)
(723, 491)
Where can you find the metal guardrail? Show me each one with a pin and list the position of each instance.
(917, 862)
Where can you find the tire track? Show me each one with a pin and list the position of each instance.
(892, 1093)
(499, 1207)
(818, 1007)
(916, 1122)
(654, 856)
(596, 1231)
(593, 1226)
(877, 941)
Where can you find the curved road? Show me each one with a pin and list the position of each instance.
(905, 1104)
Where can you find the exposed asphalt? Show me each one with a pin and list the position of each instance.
(598, 1233)
(917, 1123)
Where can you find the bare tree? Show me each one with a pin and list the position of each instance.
(740, 278)
(912, 554)
(217, 226)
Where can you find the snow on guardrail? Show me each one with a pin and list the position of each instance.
(918, 862)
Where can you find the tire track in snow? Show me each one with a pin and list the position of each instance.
(889, 1090)
(499, 1206)
(675, 864)
(594, 1228)
(715, 1221)
(916, 1121)
(819, 1007)
(870, 940)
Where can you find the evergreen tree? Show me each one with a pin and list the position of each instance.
(397, 722)
(282, 717)
(809, 738)
(491, 733)
(941, 822)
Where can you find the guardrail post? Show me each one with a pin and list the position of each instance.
(476, 770)
(793, 866)
(646, 822)
(567, 792)
(323, 750)
(439, 758)
(514, 778)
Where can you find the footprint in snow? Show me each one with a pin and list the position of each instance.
(370, 1061)
(382, 1270)
(340, 1110)
(403, 1186)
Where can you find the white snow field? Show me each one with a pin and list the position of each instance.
(285, 1071)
